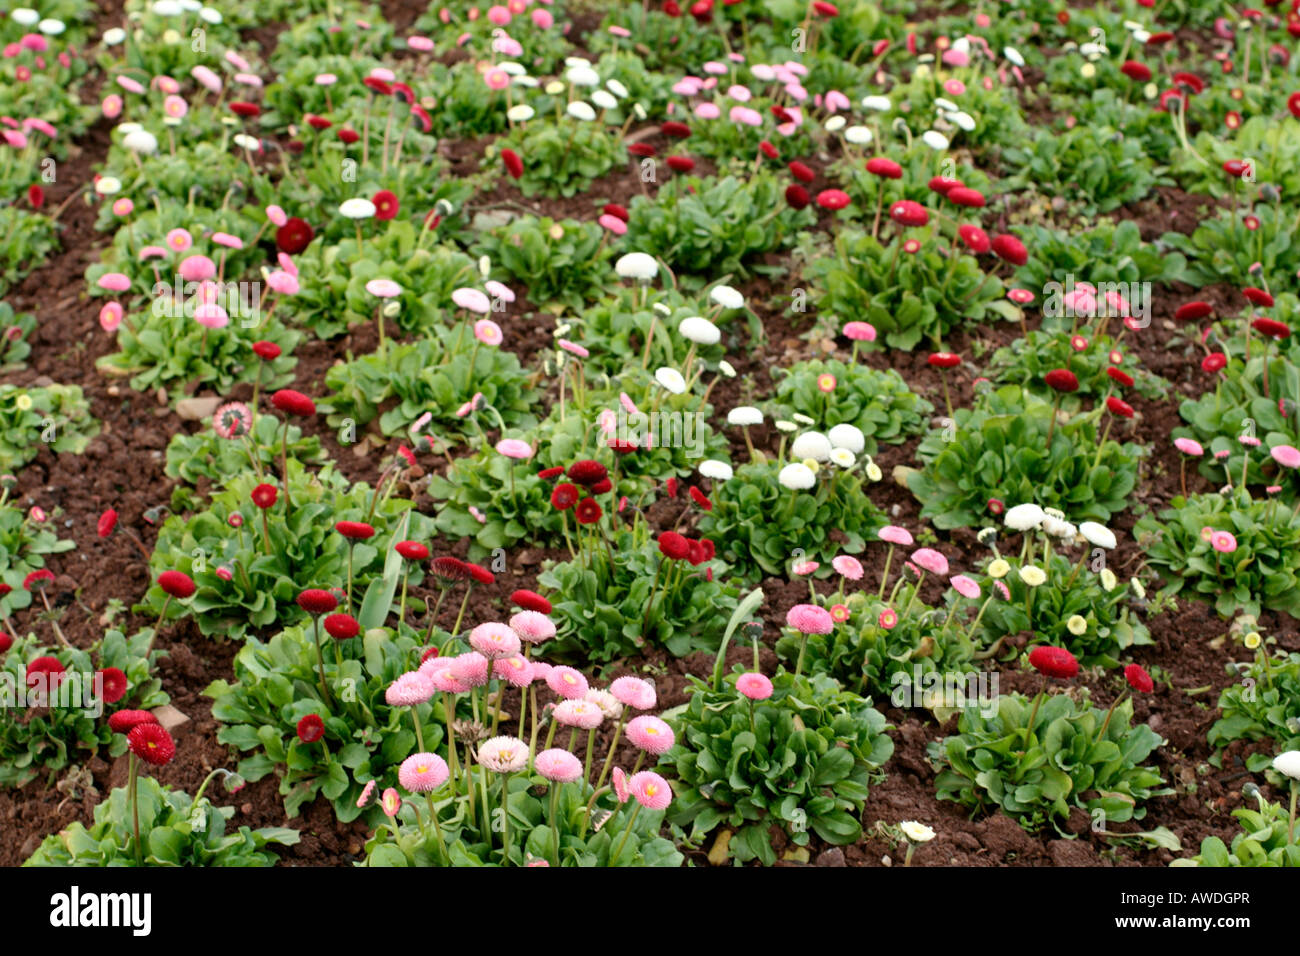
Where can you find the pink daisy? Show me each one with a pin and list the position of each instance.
(848, 566)
(558, 766)
(650, 790)
(532, 627)
(650, 734)
(754, 686)
(423, 773)
(634, 692)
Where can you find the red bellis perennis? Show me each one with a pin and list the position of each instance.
(530, 601)
(1062, 380)
(1054, 662)
(293, 403)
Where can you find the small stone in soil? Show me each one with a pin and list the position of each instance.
(170, 718)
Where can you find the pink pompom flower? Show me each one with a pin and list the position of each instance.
(754, 686)
(651, 734)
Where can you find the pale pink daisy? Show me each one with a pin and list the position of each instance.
(848, 566)
(930, 560)
(651, 734)
(558, 766)
(494, 640)
(532, 626)
(567, 682)
(635, 692)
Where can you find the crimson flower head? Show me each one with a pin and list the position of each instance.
(802, 172)
(1062, 380)
(1010, 249)
(944, 359)
(564, 496)
(317, 601)
(1236, 167)
(1054, 662)
(294, 236)
(907, 212)
(45, 670)
(1193, 311)
(1271, 327)
(797, 196)
(348, 136)
(6, 642)
(701, 499)
(1214, 362)
(107, 522)
(449, 568)
(670, 486)
(479, 574)
(588, 511)
(768, 150)
(267, 351)
(673, 545)
(1120, 376)
(965, 196)
(114, 683)
(379, 86)
(311, 728)
(943, 185)
(1139, 679)
(1138, 72)
(178, 584)
(680, 164)
(356, 530)
(615, 210)
(124, 720)
(833, 199)
(264, 495)
(531, 601)
(885, 168)
(38, 580)
(976, 239)
(675, 129)
(386, 204)
(36, 196)
(411, 550)
(317, 122)
(341, 627)
(622, 446)
(513, 163)
(1293, 101)
(588, 472)
(152, 744)
(641, 149)
(825, 9)
(245, 110)
(293, 403)
(1258, 297)
(996, 506)
(1119, 407)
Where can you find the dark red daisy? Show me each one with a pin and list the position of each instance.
(1054, 662)
(311, 728)
(587, 511)
(1139, 679)
(114, 683)
(386, 203)
(356, 530)
(531, 601)
(341, 627)
(264, 495)
(317, 601)
(294, 236)
(152, 744)
(177, 583)
(124, 720)
(293, 403)
(411, 550)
